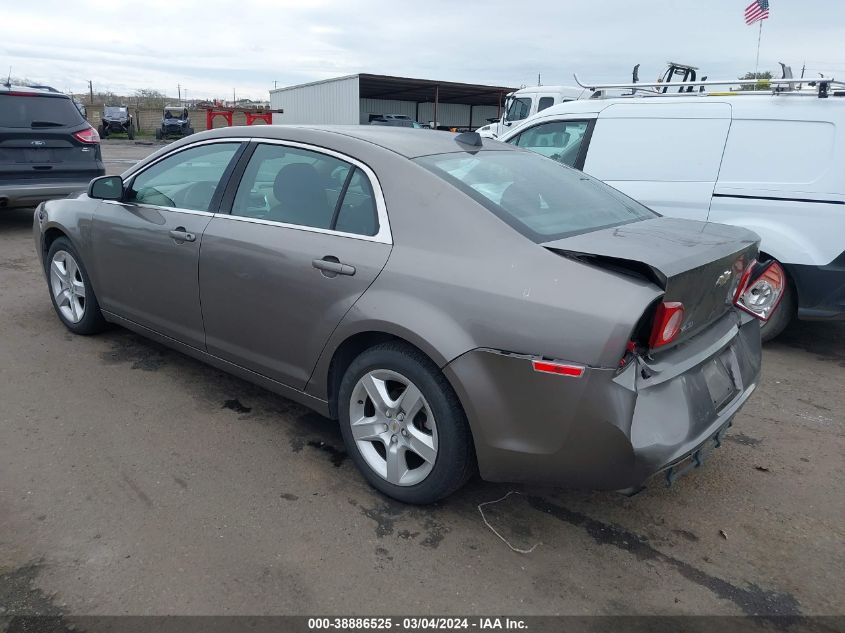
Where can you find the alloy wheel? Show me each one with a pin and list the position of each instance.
(393, 427)
(67, 286)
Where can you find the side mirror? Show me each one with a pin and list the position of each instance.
(106, 188)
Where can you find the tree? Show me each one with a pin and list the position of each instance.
(150, 98)
(762, 80)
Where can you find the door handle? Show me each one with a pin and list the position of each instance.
(181, 235)
(330, 266)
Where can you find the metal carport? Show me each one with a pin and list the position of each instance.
(353, 98)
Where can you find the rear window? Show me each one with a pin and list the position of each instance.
(539, 197)
(35, 112)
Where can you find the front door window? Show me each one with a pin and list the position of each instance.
(185, 180)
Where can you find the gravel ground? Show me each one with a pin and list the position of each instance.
(134, 480)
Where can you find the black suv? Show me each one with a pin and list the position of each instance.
(47, 150)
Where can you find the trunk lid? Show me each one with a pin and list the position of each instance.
(696, 263)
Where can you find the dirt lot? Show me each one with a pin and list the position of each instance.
(136, 480)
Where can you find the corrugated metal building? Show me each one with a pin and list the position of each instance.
(355, 98)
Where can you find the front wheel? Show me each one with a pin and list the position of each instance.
(70, 290)
(158, 134)
(403, 425)
(131, 132)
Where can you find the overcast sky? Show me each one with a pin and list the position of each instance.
(246, 45)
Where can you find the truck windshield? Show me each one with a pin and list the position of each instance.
(518, 109)
(538, 197)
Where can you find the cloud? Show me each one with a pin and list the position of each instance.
(215, 48)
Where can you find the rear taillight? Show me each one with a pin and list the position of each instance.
(88, 136)
(761, 289)
(667, 323)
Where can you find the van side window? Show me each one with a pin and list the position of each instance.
(558, 140)
(545, 102)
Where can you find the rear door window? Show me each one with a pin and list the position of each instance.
(38, 112)
(558, 140)
(291, 185)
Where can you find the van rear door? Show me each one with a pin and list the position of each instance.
(664, 155)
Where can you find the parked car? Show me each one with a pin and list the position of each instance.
(175, 121)
(450, 303)
(770, 163)
(394, 120)
(117, 120)
(47, 150)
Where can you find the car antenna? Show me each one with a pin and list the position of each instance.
(469, 138)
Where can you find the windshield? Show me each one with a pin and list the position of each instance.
(25, 111)
(115, 110)
(174, 114)
(518, 109)
(538, 197)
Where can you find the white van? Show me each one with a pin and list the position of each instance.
(526, 102)
(773, 163)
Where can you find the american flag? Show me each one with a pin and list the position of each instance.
(756, 11)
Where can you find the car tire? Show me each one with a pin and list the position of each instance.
(131, 132)
(783, 315)
(189, 131)
(78, 309)
(158, 134)
(437, 425)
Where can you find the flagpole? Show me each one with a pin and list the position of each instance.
(757, 63)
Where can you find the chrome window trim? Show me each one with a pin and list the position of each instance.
(129, 174)
(384, 235)
(163, 157)
(158, 208)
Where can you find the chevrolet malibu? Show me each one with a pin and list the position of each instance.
(456, 306)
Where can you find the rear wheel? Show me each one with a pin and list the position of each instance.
(131, 132)
(158, 134)
(70, 290)
(403, 426)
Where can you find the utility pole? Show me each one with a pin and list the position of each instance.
(538, 80)
(234, 98)
(179, 92)
(275, 84)
(91, 91)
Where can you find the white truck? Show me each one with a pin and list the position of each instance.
(526, 102)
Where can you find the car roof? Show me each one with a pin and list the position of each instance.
(408, 142)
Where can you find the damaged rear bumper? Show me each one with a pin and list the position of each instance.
(607, 429)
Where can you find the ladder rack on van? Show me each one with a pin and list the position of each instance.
(779, 86)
